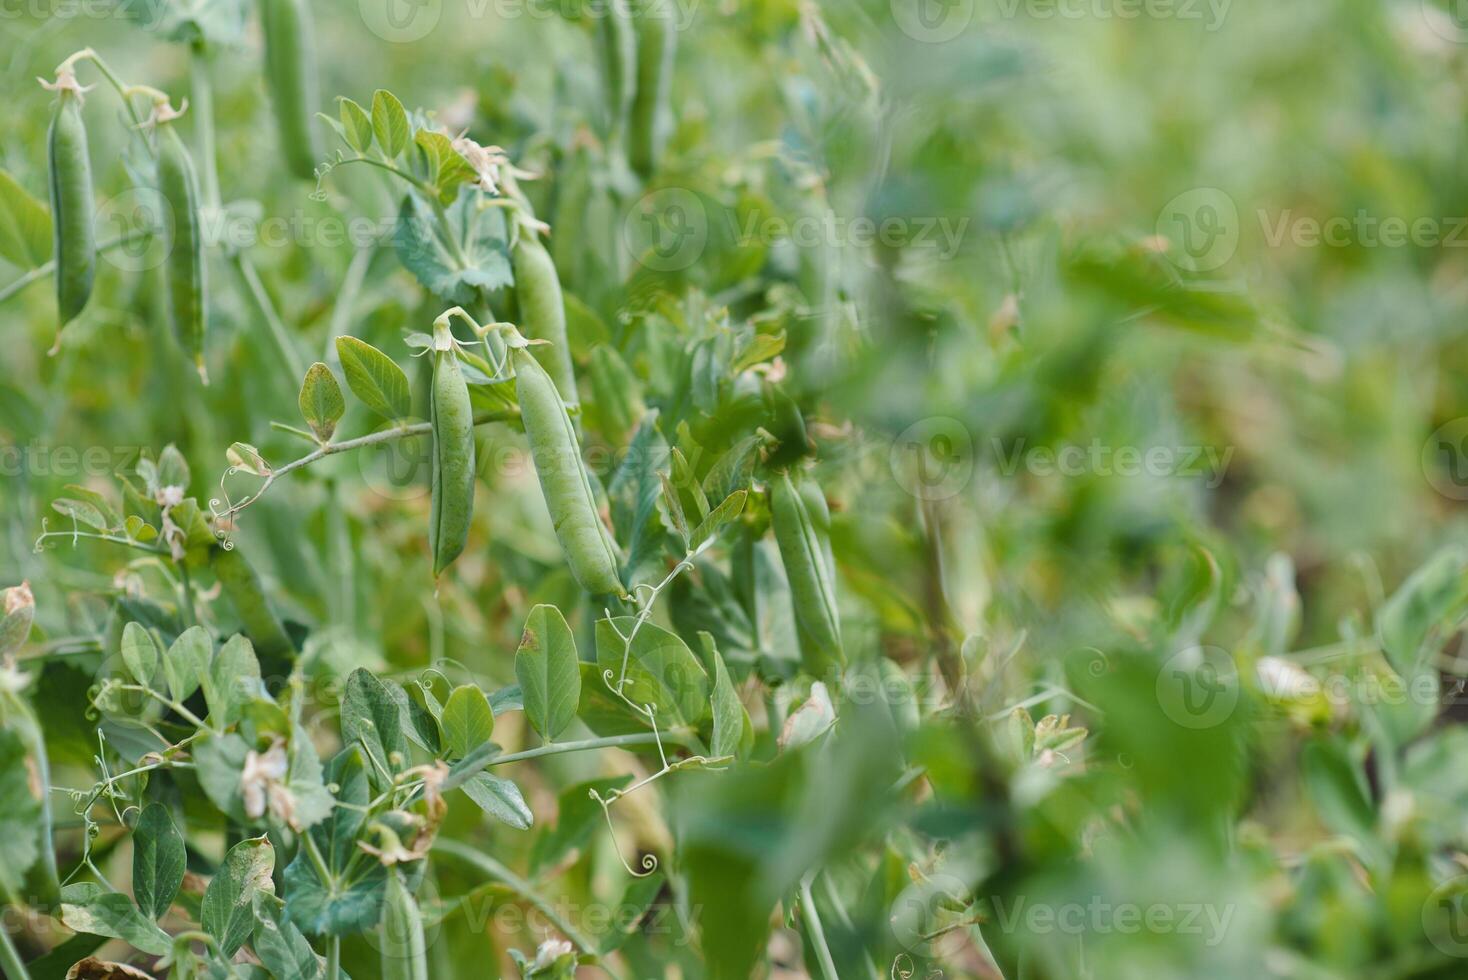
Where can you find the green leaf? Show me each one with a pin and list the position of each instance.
(374, 719)
(321, 401)
(356, 126)
(245, 457)
(423, 251)
(139, 653)
(730, 717)
(218, 761)
(279, 944)
(465, 769)
(375, 378)
(500, 798)
(233, 680)
(25, 226)
(548, 669)
(467, 721)
(727, 511)
(389, 123)
(449, 169)
(305, 781)
(172, 469)
(88, 908)
(661, 670)
(1425, 600)
(633, 496)
(158, 860)
(187, 661)
(20, 813)
(227, 912)
(81, 512)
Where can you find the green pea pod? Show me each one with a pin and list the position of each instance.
(290, 73)
(785, 423)
(404, 950)
(563, 479)
(242, 586)
(179, 185)
(453, 457)
(42, 885)
(543, 311)
(72, 207)
(617, 45)
(801, 523)
(657, 45)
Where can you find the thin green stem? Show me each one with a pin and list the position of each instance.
(334, 958)
(428, 190)
(815, 932)
(332, 448)
(49, 266)
(278, 333)
(588, 745)
(10, 958)
(496, 870)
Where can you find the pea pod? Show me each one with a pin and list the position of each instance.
(563, 479)
(290, 74)
(72, 207)
(241, 585)
(179, 185)
(802, 523)
(617, 45)
(657, 45)
(453, 455)
(404, 950)
(543, 310)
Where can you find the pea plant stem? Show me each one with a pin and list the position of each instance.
(332, 448)
(49, 267)
(815, 932)
(255, 289)
(488, 865)
(334, 958)
(589, 744)
(14, 967)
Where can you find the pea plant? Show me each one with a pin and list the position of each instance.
(570, 576)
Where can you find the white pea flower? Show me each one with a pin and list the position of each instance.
(262, 783)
